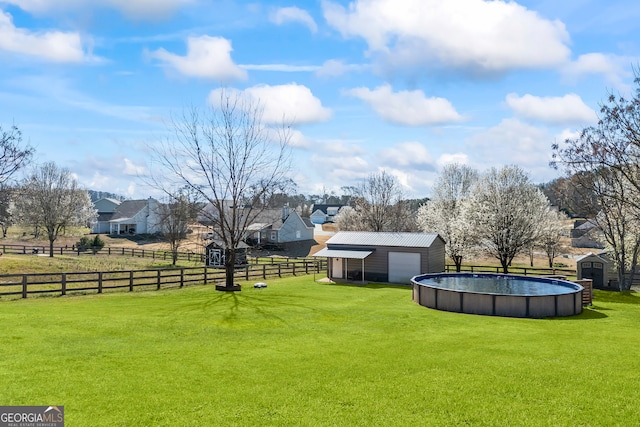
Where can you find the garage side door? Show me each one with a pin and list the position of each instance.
(403, 266)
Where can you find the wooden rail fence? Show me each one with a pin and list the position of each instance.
(22, 285)
(526, 271)
(131, 252)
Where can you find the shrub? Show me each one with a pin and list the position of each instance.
(94, 244)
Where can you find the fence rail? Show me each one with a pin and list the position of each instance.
(526, 271)
(23, 285)
(131, 252)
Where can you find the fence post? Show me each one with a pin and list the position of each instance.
(294, 268)
(24, 250)
(64, 283)
(279, 270)
(181, 277)
(131, 281)
(24, 286)
(100, 282)
(246, 273)
(109, 252)
(158, 279)
(143, 253)
(205, 275)
(264, 271)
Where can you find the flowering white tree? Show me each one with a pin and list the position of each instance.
(506, 209)
(348, 219)
(550, 232)
(619, 222)
(446, 213)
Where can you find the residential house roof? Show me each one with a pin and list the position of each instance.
(128, 209)
(324, 207)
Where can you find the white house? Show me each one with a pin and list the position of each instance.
(135, 217)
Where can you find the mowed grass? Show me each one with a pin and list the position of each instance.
(311, 354)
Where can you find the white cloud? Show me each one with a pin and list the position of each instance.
(452, 158)
(293, 14)
(472, 35)
(291, 103)
(565, 109)
(282, 68)
(55, 46)
(567, 134)
(137, 9)
(296, 138)
(334, 68)
(410, 108)
(513, 142)
(411, 154)
(207, 57)
(132, 169)
(613, 68)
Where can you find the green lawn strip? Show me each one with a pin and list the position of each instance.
(304, 353)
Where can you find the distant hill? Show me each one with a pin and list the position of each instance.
(97, 195)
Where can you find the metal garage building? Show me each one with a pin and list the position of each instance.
(362, 256)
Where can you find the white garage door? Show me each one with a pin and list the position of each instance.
(403, 266)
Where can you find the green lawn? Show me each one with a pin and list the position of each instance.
(310, 354)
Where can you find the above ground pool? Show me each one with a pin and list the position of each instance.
(498, 294)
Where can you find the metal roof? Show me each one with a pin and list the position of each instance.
(335, 253)
(371, 238)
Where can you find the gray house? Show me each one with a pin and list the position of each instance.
(280, 227)
(135, 217)
(362, 256)
(105, 207)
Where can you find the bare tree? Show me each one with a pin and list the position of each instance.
(6, 212)
(605, 160)
(174, 218)
(232, 160)
(377, 206)
(50, 198)
(505, 211)
(13, 156)
(377, 196)
(447, 212)
(619, 223)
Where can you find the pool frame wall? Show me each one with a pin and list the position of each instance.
(534, 306)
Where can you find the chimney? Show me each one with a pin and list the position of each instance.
(285, 212)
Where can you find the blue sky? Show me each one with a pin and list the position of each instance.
(401, 85)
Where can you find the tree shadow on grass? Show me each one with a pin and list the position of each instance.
(260, 304)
